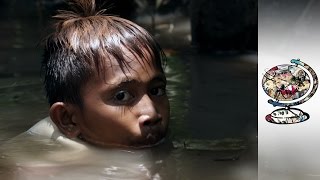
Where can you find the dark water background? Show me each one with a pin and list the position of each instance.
(213, 95)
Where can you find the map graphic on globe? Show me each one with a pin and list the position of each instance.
(289, 85)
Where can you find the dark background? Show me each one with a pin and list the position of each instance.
(212, 62)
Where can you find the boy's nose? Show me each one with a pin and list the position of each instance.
(148, 115)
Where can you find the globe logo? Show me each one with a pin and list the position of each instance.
(289, 85)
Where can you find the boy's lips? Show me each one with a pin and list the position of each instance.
(152, 140)
(152, 136)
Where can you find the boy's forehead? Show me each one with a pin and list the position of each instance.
(129, 58)
(130, 68)
(133, 66)
(130, 62)
(114, 75)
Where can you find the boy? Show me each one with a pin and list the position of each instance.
(105, 85)
(104, 80)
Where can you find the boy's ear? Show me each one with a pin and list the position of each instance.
(63, 115)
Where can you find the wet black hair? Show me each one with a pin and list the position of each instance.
(83, 39)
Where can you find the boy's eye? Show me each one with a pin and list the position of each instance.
(122, 96)
(159, 91)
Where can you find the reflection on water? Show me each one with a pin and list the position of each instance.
(178, 90)
(38, 158)
(22, 104)
(223, 100)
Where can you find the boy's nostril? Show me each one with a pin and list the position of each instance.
(151, 122)
(147, 123)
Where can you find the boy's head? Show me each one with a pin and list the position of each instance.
(104, 79)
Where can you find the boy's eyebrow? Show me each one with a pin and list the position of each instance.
(129, 80)
(126, 80)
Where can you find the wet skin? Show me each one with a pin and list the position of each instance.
(124, 108)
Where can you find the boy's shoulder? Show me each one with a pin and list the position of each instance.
(46, 128)
(42, 144)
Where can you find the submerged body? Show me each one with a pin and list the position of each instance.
(43, 151)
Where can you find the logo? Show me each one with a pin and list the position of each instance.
(289, 85)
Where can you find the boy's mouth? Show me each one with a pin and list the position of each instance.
(152, 137)
(152, 141)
